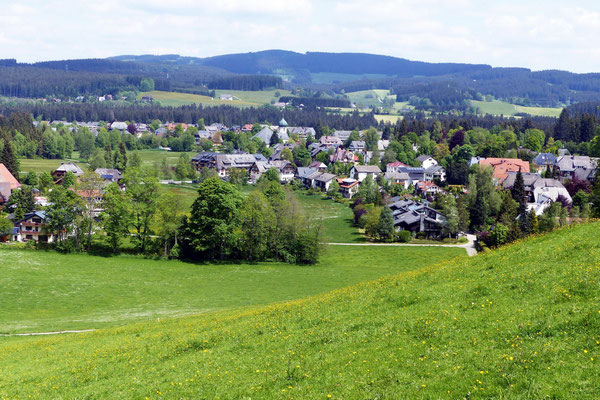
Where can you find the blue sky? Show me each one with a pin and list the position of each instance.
(536, 34)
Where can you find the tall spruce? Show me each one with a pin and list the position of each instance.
(518, 192)
(9, 160)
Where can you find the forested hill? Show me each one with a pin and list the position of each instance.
(347, 72)
(272, 61)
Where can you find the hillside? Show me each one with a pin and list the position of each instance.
(519, 322)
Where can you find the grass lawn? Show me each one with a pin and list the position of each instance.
(522, 322)
(149, 159)
(246, 98)
(497, 107)
(336, 218)
(46, 291)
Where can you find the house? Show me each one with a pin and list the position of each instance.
(545, 192)
(426, 161)
(305, 175)
(543, 161)
(301, 131)
(286, 169)
(529, 178)
(343, 156)
(357, 145)
(322, 180)
(427, 188)
(502, 166)
(32, 227)
(416, 217)
(398, 178)
(222, 163)
(415, 174)
(226, 97)
(330, 141)
(257, 170)
(247, 127)
(321, 167)
(8, 183)
(382, 145)
(61, 171)
(582, 167)
(436, 172)
(118, 126)
(109, 174)
(343, 135)
(348, 187)
(394, 166)
(171, 127)
(360, 172)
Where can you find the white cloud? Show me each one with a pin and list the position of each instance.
(534, 34)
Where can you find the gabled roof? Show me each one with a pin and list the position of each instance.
(369, 169)
(423, 157)
(324, 177)
(66, 167)
(39, 214)
(545, 159)
(6, 176)
(502, 166)
(396, 164)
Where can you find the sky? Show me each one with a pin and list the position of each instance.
(505, 33)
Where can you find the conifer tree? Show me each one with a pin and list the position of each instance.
(9, 160)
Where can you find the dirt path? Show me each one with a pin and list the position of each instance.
(469, 247)
(47, 333)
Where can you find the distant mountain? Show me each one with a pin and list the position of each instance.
(273, 61)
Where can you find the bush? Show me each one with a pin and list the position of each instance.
(404, 236)
(421, 235)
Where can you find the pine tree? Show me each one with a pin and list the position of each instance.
(108, 156)
(518, 193)
(123, 152)
(9, 160)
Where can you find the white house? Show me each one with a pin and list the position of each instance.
(360, 172)
(426, 161)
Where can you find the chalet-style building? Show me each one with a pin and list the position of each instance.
(61, 171)
(109, 174)
(32, 227)
(582, 167)
(416, 217)
(398, 178)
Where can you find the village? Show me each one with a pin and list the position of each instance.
(337, 164)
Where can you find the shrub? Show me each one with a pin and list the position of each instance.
(421, 235)
(404, 236)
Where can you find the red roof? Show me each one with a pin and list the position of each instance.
(6, 176)
(397, 164)
(502, 166)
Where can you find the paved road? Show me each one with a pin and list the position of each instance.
(469, 247)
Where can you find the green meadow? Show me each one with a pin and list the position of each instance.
(521, 322)
(496, 107)
(241, 98)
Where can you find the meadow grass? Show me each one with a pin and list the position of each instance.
(521, 322)
(246, 98)
(497, 107)
(47, 291)
(149, 159)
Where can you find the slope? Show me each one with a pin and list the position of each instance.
(520, 322)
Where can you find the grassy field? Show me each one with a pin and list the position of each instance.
(49, 291)
(149, 159)
(497, 107)
(336, 218)
(522, 322)
(246, 98)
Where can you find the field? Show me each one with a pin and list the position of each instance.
(83, 291)
(333, 77)
(497, 107)
(246, 98)
(520, 322)
(149, 159)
